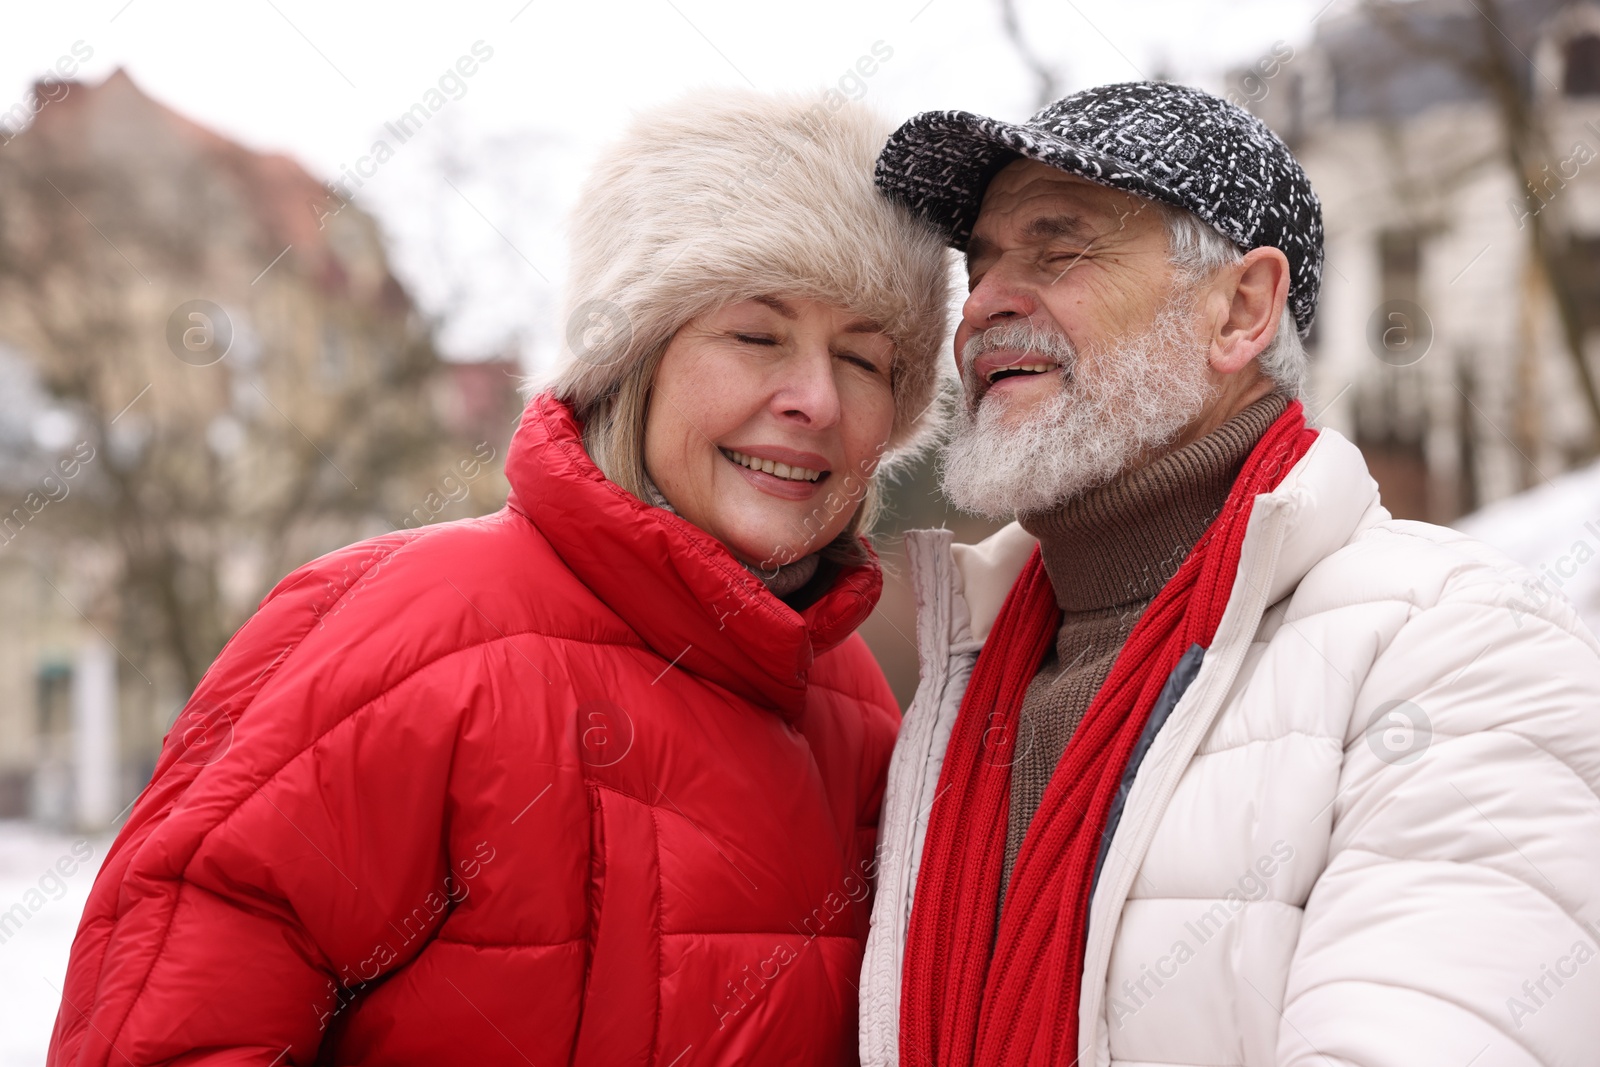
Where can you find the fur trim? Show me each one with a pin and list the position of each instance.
(727, 195)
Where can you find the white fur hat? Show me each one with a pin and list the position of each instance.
(727, 195)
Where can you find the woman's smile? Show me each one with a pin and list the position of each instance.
(780, 472)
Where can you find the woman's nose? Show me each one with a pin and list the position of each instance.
(808, 392)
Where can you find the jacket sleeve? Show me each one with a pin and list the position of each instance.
(247, 899)
(1454, 921)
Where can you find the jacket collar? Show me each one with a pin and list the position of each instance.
(674, 584)
(1329, 494)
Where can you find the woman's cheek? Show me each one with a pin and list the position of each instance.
(867, 430)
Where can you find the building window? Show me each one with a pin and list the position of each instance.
(1390, 406)
(1400, 264)
(1582, 278)
(52, 780)
(1581, 76)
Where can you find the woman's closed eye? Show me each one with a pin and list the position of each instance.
(755, 339)
(859, 361)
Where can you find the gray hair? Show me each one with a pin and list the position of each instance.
(1198, 251)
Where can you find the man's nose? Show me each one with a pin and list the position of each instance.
(996, 298)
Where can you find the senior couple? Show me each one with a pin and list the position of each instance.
(1212, 761)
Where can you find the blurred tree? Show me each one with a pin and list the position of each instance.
(255, 386)
(1488, 47)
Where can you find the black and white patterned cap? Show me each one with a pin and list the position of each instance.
(1172, 143)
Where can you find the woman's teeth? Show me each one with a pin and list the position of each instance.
(777, 470)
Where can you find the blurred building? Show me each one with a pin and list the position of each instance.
(1456, 147)
(208, 375)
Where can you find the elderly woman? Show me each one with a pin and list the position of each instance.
(594, 779)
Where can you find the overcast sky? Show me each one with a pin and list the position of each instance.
(318, 80)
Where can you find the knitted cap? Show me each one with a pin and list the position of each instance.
(728, 195)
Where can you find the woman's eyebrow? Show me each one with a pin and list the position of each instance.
(777, 305)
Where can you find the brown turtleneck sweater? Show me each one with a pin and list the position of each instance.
(1108, 553)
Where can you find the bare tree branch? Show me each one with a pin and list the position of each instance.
(1047, 86)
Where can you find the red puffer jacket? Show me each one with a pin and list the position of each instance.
(561, 785)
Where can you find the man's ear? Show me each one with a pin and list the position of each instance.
(1254, 308)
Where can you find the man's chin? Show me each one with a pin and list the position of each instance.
(1009, 407)
(1021, 456)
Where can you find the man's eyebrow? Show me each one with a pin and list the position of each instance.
(777, 305)
(1043, 228)
(1047, 226)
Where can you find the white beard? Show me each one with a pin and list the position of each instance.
(1134, 396)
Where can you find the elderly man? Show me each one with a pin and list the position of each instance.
(1212, 762)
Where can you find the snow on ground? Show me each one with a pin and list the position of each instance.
(44, 882)
(1554, 531)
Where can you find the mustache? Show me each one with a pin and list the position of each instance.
(1018, 336)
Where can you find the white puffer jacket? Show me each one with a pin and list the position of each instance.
(1369, 832)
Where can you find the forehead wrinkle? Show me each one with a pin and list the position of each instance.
(1026, 181)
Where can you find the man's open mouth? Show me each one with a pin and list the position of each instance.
(1001, 373)
(777, 470)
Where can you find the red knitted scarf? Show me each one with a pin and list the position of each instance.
(974, 994)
